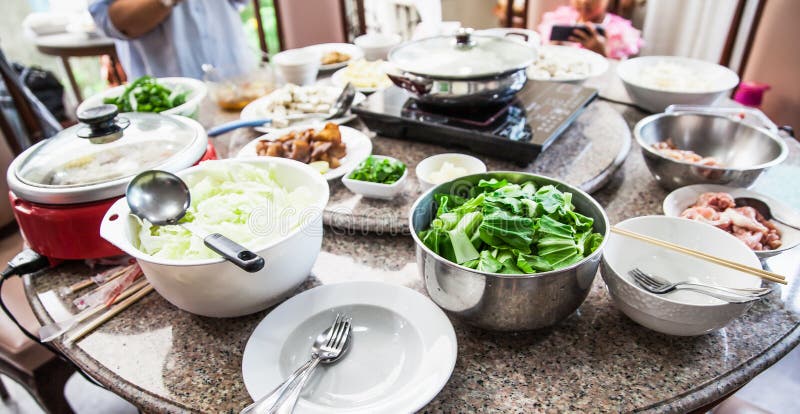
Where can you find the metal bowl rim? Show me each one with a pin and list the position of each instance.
(652, 118)
(551, 273)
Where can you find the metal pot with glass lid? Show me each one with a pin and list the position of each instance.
(464, 69)
(61, 187)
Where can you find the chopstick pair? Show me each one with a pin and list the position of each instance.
(772, 277)
(122, 302)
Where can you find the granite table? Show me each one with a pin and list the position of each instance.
(165, 360)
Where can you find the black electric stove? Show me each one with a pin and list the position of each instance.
(516, 131)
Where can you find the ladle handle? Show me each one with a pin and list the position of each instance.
(234, 252)
(230, 126)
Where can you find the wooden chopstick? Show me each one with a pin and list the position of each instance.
(83, 284)
(127, 293)
(91, 326)
(773, 277)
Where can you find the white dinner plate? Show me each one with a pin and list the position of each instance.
(684, 197)
(598, 64)
(354, 51)
(256, 109)
(359, 147)
(402, 353)
(339, 80)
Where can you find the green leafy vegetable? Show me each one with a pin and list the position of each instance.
(147, 95)
(382, 171)
(511, 228)
(242, 201)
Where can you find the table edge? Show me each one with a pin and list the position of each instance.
(700, 396)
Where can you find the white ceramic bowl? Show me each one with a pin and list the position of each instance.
(681, 199)
(376, 190)
(433, 163)
(197, 91)
(680, 312)
(215, 287)
(719, 81)
(299, 66)
(377, 45)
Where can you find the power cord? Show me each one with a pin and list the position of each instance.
(629, 104)
(25, 262)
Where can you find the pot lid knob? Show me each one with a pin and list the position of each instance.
(102, 124)
(464, 38)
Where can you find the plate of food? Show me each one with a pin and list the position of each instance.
(332, 149)
(566, 64)
(366, 76)
(337, 55)
(715, 205)
(290, 100)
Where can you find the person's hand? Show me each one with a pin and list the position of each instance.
(592, 40)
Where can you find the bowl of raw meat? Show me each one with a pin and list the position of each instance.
(715, 205)
(685, 148)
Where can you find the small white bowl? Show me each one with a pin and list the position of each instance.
(721, 80)
(299, 66)
(376, 190)
(435, 162)
(680, 312)
(377, 45)
(197, 91)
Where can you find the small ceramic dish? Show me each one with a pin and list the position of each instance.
(434, 163)
(376, 190)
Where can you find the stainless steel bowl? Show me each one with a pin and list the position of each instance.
(498, 301)
(743, 150)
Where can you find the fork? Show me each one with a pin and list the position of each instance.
(659, 285)
(330, 352)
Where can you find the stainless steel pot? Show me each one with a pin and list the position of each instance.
(464, 69)
(499, 301)
(743, 150)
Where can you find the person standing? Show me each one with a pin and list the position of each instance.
(174, 37)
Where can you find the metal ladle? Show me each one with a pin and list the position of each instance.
(162, 198)
(764, 209)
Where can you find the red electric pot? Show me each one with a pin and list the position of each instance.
(62, 187)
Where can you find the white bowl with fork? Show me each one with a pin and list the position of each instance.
(680, 312)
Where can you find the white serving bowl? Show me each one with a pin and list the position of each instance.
(681, 199)
(433, 163)
(376, 190)
(299, 66)
(719, 80)
(215, 287)
(377, 45)
(197, 91)
(680, 312)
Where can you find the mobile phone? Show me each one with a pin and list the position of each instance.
(563, 32)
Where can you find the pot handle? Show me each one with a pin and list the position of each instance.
(524, 36)
(113, 227)
(415, 84)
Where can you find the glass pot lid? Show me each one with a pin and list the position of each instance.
(104, 148)
(463, 56)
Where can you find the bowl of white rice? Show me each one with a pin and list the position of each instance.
(655, 82)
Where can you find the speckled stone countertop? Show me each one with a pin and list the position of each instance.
(166, 360)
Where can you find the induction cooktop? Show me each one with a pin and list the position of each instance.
(517, 131)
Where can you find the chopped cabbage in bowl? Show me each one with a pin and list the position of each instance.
(241, 201)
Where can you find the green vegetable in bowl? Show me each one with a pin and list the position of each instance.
(511, 228)
(147, 95)
(379, 170)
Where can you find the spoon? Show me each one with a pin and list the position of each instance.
(340, 107)
(162, 198)
(272, 400)
(762, 208)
